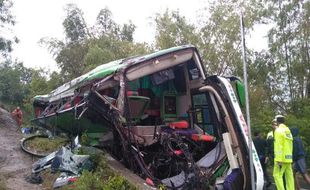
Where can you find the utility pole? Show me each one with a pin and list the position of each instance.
(245, 79)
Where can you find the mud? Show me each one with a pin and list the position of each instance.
(15, 165)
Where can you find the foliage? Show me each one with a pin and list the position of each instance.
(221, 37)
(6, 20)
(217, 36)
(172, 29)
(55, 80)
(71, 60)
(117, 182)
(89, 180)
(19, 85)
(74, 24)
(289, 46)
(104, 49)
(299, 117)
(105, 25)
(12, 88)
(38, 83)
(85, 140)
(102, 178)
(87, 47)
(95, 180)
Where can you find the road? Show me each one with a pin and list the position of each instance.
(15, 165)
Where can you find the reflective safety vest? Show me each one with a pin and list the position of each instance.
(283, 144)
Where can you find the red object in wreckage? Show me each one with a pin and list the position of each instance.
(200, 137)
(150, 182)
(38, 111)
(178, 152)
(132, 93)
(72, 179)
(179, 125)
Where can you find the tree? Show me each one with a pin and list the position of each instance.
(83, 51)
(106, 49)
(69, 54)
(261, 83)
(55, 80)
(172, 29)
(289, 45)
(127, 31)
(217, 36)
(105, 25)
(6, 19)
(10, 86)
(221, 34)
(38, 84)
(74, 24)
(71, 60)
(14, 81)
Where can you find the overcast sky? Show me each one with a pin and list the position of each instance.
(36, 19)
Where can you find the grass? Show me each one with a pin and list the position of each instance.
(2, 182)
(102, 178)
(48, 178)
(45, 145)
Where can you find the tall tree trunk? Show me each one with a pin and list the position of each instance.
(287, 60)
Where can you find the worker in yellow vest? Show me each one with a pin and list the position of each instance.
(283, 155)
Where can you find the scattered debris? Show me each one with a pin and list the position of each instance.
(34, 178)
(64, 179)
(64, 160)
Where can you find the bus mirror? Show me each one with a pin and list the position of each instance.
(240, 93)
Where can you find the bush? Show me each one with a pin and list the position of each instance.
(102, 177)
(89, 180)
(118, 182)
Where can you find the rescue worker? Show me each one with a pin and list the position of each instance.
(299, 157)
(261, 148)
(283, 156)
(17, 114)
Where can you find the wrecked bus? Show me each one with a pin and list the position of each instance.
(162, 117)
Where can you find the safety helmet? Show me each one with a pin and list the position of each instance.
(280, 118)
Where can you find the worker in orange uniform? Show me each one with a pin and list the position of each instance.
(17, 114)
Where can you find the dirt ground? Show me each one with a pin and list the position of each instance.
(15, 165)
